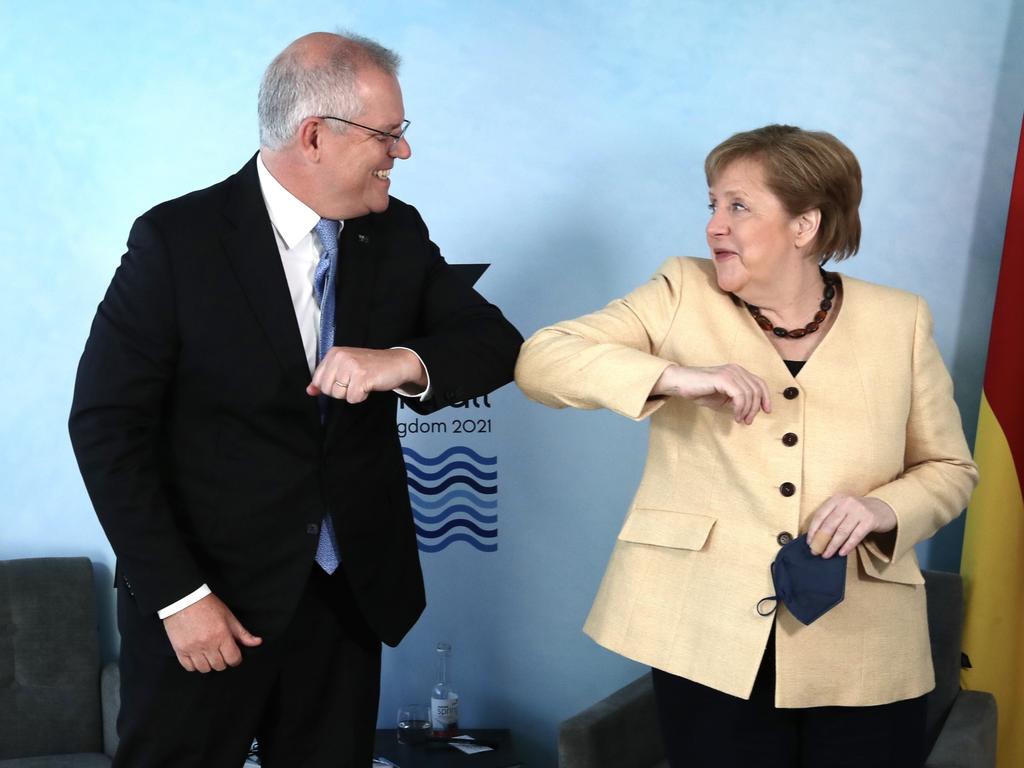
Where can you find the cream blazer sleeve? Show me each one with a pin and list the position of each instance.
(607, 359)
(938, 475)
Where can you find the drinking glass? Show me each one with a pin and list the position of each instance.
(413, 724)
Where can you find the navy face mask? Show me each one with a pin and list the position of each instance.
(807, 584)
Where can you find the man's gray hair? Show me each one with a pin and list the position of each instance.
(296, 86)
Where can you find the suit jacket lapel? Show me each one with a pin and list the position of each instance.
(252, 252)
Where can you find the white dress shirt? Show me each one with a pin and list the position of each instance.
(300, 248)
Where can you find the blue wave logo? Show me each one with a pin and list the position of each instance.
(453, 498)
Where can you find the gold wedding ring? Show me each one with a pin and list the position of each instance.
(339, 384)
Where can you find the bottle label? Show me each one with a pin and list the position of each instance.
(444, 714)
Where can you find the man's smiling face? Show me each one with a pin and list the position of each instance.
(357, 163)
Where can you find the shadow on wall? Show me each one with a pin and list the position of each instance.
(968, 367)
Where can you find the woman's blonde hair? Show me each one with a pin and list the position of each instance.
(805, 170)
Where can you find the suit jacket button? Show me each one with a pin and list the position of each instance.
(789, 439)
(787, 489)
(790, 393)
(784, 538)
(312, 529)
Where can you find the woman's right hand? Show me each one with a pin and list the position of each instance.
(718, 386)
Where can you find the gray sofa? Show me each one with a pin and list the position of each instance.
(57, 707)
(621, 731)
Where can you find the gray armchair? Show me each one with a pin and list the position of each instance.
(621, 731)
(57, 707)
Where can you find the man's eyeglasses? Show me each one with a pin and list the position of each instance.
(391, 139)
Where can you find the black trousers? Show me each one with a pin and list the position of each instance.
(705, 728)
(309, 696)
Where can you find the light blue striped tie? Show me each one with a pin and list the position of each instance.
(323, 288)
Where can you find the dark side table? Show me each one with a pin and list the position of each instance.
(440, 755)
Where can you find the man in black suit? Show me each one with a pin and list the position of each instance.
(234, 421)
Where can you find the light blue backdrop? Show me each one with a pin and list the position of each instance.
(560, 142)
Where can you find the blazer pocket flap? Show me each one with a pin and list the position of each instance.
(902, 571)
(666, 528)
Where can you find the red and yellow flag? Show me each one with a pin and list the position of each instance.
(993, 556)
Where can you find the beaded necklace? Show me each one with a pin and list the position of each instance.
(832, 281)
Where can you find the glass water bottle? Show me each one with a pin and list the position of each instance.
(444, 702)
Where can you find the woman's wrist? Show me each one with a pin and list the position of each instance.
(666, 385)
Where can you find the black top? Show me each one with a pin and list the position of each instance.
(794, 366)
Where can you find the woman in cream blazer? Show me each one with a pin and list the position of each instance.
(862, 448)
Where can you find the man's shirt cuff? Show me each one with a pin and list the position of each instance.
(426, 393)
(184, 603)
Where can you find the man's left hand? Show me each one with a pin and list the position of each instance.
(352, 373)
(842, 522)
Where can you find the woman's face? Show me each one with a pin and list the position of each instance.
(754, 241)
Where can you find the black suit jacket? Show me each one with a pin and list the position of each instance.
(204, 457)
